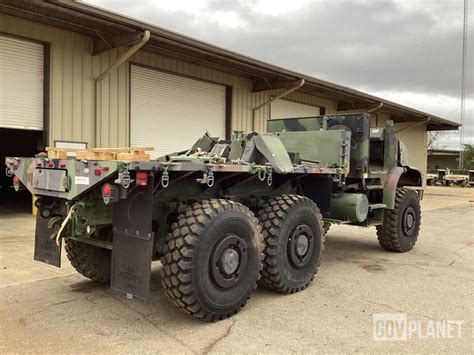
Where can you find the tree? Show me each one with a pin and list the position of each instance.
(468, 156)
(433, 137)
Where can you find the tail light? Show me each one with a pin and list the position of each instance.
(106, 190)
(16, 183)
(142, 178)
(110, 193)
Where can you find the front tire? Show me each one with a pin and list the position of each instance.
(401, 225)
(293, 242)
(212, 259)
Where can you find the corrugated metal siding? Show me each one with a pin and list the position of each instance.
(285, 109)
(262, 115)
(415, 139)
(378, 119)
(416, 142)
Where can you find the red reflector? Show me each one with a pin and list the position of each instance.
(62, 165)
(105, 168)
(106, 190)
(97, 172)
(142, 178)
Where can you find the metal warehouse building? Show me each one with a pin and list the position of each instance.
(71, 72)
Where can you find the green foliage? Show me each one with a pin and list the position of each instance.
(468, 156)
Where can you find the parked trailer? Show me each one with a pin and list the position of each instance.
(456, 177)
(223, 215)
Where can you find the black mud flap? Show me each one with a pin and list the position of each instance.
(46, 249)
(132, 248)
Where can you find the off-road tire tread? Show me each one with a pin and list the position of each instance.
(90, 261)
(387, 232)
(178, 253)
(271, 217)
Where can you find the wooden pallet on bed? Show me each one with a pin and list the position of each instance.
(128, 153)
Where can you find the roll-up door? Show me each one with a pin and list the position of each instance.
(170, 112)
(21, 84)
(288, 109)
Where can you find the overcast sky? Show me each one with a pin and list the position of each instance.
(405, 51)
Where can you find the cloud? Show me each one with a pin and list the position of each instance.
(382, 47)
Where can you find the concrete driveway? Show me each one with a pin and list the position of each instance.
(45, 310)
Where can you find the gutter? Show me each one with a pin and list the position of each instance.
(123, 58)
(273, 98)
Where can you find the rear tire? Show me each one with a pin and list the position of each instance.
(91, 261)
(401, 225)
(212, 259)
(293, 242)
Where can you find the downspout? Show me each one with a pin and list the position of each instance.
(413, 125)
(378, 107)
(123, 58)
(273, 98)
(373, 109)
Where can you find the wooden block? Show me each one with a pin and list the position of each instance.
(133, 157)
(122, 150)
(55, 149)
(91, 155)
(57, 155)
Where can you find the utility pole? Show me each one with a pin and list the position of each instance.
(463, 85)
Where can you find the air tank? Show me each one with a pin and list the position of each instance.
(349, 207)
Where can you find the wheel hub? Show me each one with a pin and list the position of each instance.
(228, 260)
(409, 221)
(300, 245)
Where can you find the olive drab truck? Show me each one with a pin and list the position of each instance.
(222, 215)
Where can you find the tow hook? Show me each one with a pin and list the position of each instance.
(8, 172)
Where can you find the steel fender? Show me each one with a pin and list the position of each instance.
(390, 183)
(397, 176)
(274, 151)
(411, 177)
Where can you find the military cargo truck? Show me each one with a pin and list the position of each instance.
(224, 214)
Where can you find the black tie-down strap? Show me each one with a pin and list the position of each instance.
(46, 249)
(132, 248)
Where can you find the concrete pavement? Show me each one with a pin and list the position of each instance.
(45, 310)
